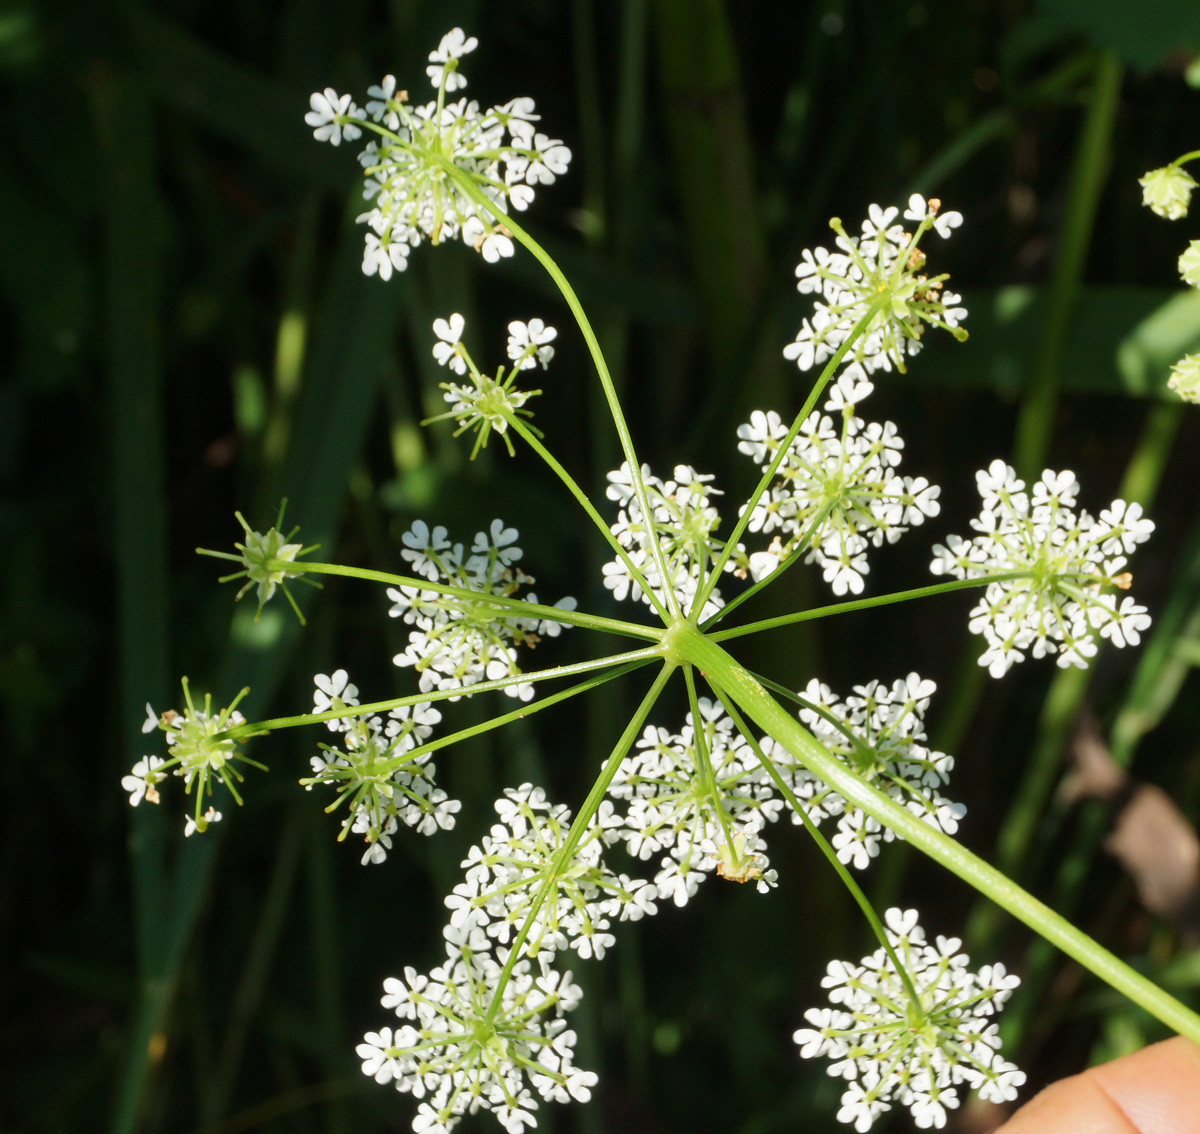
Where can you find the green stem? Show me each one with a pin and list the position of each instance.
(785, 444)
(700, 739)
(822, 842)
(589, 337)
(579, 824)
(514, 606)
(535, 444)
(686, 644)
(864, 604)
(516, 715)
(800, 548)
(255, 727)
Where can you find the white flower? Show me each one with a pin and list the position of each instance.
(529, 343)
(509, 869)
(459, 641)
(381, 256)
(330, 114)
(943, 223)
(381, 96)
(1124, 624)
(446, 352)
(334, 692)
(892, 1048)
(836, 490)
(547, 159)
(884, 261)
(879, 733)
(1063, 557)
(454, 45)
(142, 778)
(410, 192)
(684, 520)
(380, 1056)
(671, 808)
(459, 1054)
(200, 822)
(381, 771)
(860, 1105)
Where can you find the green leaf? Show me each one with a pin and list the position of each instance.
(1145, 358)
(1142, 34)
(1122, 341)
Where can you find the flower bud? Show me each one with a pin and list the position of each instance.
(1185, 378)
(1189, 264)
(1168, 191)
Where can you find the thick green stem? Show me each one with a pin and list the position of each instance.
(589, 337)
(579, 824)
(822, 842)
(507, 606)
(686, 644)
(536, 445)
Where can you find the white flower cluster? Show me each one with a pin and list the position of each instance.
(199, 754)
(1063, 558)
(409, 167)
(836, 490)
(676, 794)
(472, 1041)
(460, 640)
(375, 772)
(884, 261)
(892, 1048)
(489, 403)
(683, 522)
(520, 857)
(878, 733)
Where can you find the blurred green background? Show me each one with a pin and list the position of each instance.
(186, 332)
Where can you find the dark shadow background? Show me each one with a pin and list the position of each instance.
(186, 333)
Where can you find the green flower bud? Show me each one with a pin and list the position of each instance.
(1168, 191)
(1185, 378)
(1189, 264)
